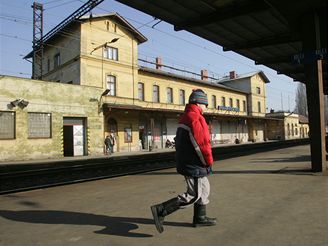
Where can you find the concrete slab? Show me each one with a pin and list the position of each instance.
(270, 198)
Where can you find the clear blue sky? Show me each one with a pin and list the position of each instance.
(179, 49)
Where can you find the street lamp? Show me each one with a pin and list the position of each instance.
(104, 45)
(100, 99)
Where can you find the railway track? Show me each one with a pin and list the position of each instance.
(80, 171)
(17, 178)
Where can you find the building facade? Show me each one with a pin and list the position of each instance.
(290, 126)
(92, 84)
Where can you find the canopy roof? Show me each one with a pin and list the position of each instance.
(270, 32)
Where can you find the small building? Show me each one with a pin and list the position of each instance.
(290, 126)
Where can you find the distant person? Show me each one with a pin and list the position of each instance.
(109, 143)
(168, 144)
(112, 141)
(194, 161)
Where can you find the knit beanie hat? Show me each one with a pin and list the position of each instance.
(198, 96)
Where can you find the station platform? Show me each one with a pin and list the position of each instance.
(267, 198)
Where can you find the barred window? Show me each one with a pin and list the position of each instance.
(7, 125)
(39, 125)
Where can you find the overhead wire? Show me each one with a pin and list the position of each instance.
(171, 35)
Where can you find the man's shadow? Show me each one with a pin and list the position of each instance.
(119, 226)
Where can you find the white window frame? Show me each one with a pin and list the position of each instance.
(141, 91)
(155, 93)
(169, 95)
(111, 53)
(182, 97)
(111, 84)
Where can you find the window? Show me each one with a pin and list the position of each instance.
(223, 103)
(182, 98)
(288, 129)
(7, 125)
(155, 93)
(259, 107)
(111, 53)
(39, 125)
(258, 90)
(214, 101)
(141, 92)
(111, 85)
(230, 102)
(169, 93)
(57, 60)
(244, 106)
(296, 129)
(238, 104)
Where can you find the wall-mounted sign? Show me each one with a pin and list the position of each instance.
(228, 108)
(127, 135)
(310, 56)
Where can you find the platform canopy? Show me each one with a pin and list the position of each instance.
(289, 36)
(270, 32)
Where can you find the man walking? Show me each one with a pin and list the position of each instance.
(194, 161)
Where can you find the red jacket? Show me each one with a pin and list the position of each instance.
(193, 146)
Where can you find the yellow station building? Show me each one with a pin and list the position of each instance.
(92, 83)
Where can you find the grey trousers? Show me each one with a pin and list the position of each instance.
(198, 191)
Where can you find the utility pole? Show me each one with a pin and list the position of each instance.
(37, 40)
(282, 105)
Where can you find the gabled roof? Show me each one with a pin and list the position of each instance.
(124, 23)
(246, 75)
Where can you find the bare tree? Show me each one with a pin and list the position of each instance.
(301, 102)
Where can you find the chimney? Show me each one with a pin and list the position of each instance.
(233, 74)
(158, 63)
(204, 74)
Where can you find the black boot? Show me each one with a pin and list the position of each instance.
(200, 218)
(159, 211)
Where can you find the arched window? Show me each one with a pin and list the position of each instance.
(111, 125)
(288, 129)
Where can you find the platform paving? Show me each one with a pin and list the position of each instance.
(269, 198)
